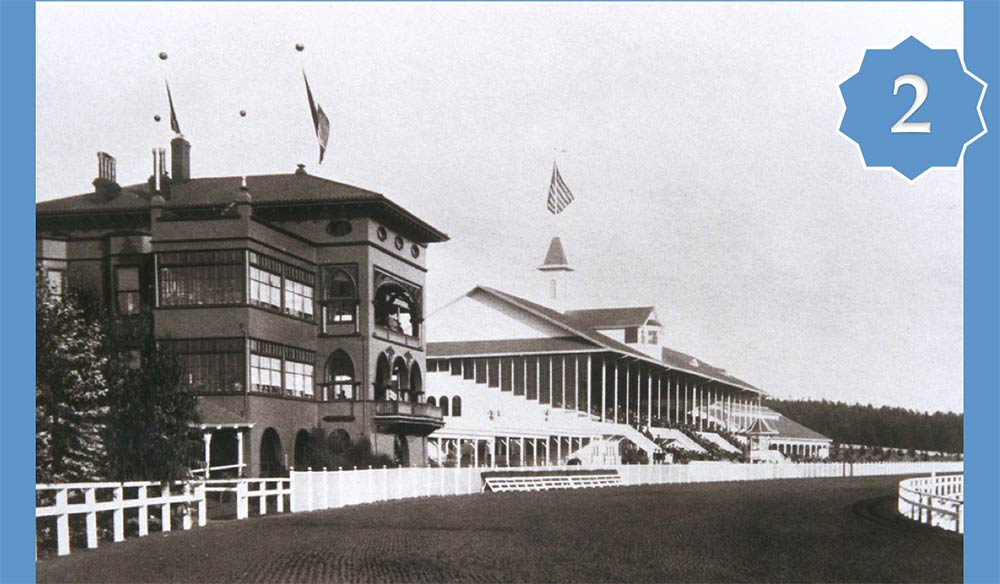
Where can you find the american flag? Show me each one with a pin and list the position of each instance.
(559, 194)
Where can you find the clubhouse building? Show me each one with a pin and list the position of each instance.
(296, 302)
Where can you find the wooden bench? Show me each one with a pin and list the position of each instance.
(513, 483)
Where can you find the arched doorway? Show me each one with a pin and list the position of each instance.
(301, 450)
(416, 383)
(401, 450)
(381, 377)
(397, 310)
(272, 463)
(340, 376)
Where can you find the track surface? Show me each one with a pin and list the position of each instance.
(816, 530)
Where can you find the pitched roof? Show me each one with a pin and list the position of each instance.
(509, 346)
(759, 427)
(604, 318)
(563, 321)
(555, 258)
(266, 190)
(789, 428)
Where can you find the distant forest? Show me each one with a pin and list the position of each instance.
(868, 425)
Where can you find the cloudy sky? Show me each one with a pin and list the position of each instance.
(700, 141)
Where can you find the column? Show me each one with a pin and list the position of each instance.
(475, 453)
(590, 407)
(207, 438)
(239, 452)
(604, 389)
(440, 453)
(534, 452)
(506, 442)
(616, 391)
(677, 399)
(558, 449)
(649, 399)
(687, 409)
(659, 397)
(548, 457)
(638, 397)
(628, 391)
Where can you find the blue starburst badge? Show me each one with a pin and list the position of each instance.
(911, 108)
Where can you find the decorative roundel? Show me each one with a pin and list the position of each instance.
(382, 233)
(415, 250)
(339, 227)
(399, 243)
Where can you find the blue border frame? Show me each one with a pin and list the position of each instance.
(17, 230)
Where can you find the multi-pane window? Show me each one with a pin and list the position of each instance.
(201, 278)
(299, 379)
(265, 374)
(340, 376)
(281, 370)
(340, 296)
(57, 282)
(127, 290)
(281, 286)
(210, 365)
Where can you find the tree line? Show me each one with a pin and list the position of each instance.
(884, 426)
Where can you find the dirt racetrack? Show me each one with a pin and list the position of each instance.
(802, 530)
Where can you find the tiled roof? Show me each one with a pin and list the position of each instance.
(509, 346)
(687, 364)
(604, 318)
(265, 190)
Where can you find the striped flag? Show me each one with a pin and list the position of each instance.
(559, 194)
(174, 125)
(320, 122)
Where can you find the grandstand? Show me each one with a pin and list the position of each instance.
(523, 383)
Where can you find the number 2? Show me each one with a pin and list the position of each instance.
(920, 86)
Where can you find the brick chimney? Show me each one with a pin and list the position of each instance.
(180, 159)
(105, 184)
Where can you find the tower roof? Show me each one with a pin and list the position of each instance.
(555, 259)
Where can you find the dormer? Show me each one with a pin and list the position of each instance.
(637, 326)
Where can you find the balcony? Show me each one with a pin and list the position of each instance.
(402, 417)
(386, 334)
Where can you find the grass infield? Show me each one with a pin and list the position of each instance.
(800, 530)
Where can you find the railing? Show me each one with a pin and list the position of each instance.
(314, 490)
(123, 496)
(89, 499)
(405, 408)
(399, 338)
(938, 500)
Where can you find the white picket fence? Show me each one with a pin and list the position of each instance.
(315, 490)
(936, 500)
(91, 499)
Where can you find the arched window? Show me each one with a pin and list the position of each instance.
(456, 406)
(271, 454)
(431, 401)
(397, 310)
(416, 383)
(340, 298)
(400, 381)
(301, 449)
(444, 405)
(382, 378)
(340, 376)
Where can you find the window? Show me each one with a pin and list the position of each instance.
(397, 309)
(340, 298)
(210, 365)
(652, 337)
(431, 401)
(201, 278)
(57, 282)
(265, 288)
(265, 374)
(298, 298)
(456, 406)
(340, 376)
(632, 335)
(127, 290)
(298, 379)
(443, 402)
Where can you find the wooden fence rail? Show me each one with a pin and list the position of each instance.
(938, 500)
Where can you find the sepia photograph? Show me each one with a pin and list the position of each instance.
(495, 292)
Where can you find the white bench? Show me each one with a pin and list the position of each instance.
(504, 484)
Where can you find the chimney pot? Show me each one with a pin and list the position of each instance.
(180, 159)
(104, 184)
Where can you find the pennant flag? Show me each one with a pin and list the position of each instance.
(320, 121)
(559, 194)
(176, 127)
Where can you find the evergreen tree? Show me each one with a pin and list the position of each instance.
(150, 436)
(70, 390)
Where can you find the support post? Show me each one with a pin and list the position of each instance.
(239, 452)
(207, 438)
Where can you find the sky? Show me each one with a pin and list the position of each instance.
(700, 141)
